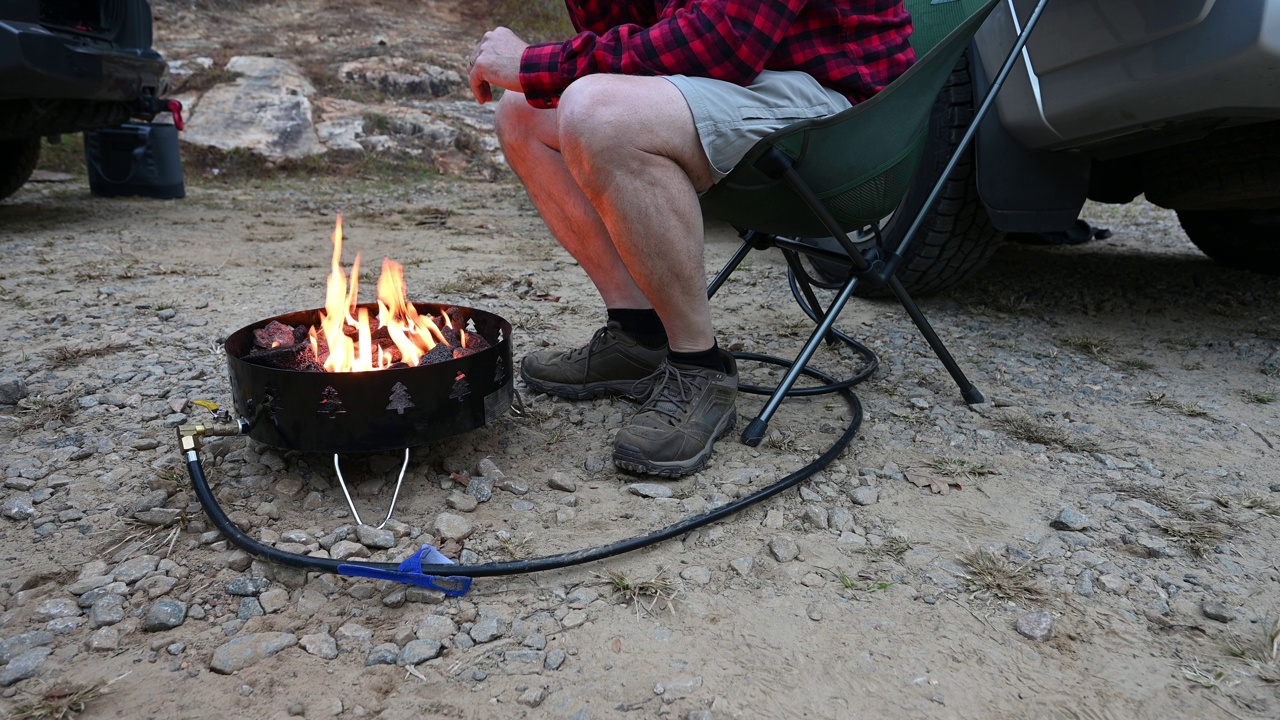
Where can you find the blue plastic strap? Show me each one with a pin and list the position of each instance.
(410, 573)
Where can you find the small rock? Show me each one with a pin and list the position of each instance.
(864, 495)
(487, 468)
(107, 610)
(131, 571)
(462, 502)
(481, 488)
(19, 507)
(273, 601)
(560, 481)
(573, 619)
(1217, 611)
(555, 659)
(1037, 626)
(784, 549)
(104, 639)
(56, 608)
(373, 537)
(12, 389)
(515, 487)
(814, 612)
(436, 628)
(247, 650)
(651, 490)
(24, 666)
(742, 565)
(452, 527)
(384, 654)
(248, 586)
(321, 645)
(1113, 583)
(239, 560)
(774, 520)
(158, 517)
(696, 575)
(418, 651)
(1071, 519)
(345, 550)
(164, 615)
(532, 697)
(487, 630)
(18, 644)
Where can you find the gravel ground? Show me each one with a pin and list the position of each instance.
(1097, 541)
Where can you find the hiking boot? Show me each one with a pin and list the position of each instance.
(685, 411)
(611, 364)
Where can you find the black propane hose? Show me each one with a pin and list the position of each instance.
(550, 562)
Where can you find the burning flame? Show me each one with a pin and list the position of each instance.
(414, 335)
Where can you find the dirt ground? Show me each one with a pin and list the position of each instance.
(1123, 480)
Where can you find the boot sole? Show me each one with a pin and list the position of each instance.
(630, 458)
(619, 388)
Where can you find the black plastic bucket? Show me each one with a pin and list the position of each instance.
(135, 159)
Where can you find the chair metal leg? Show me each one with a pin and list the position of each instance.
(970, 393)
(756, 429)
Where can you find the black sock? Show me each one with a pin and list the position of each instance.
(706, 358)
(643, 325)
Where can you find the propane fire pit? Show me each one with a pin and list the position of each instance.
(354, 378)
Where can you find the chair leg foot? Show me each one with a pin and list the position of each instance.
(755, 432)
(972, 396)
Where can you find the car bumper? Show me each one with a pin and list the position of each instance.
(36, 63)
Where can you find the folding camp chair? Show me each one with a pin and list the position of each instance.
(844, 173)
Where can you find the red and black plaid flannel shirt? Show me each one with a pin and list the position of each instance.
(853, 46)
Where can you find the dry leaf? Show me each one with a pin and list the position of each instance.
(939, 486)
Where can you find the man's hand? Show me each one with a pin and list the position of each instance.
(496, 61)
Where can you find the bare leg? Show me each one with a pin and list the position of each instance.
(531, 143)
(631, 146)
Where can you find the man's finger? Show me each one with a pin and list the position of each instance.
(479, 86)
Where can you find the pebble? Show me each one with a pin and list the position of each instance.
(18, 644)
(452, 527)
(864, 495)
(555, 659)
(247, 586)
(462, 502)
(108, 610)
(651, 490)
(19, 507)
(418, 651)
(515, 487)
(345, 550)
(105, 639)
(436, 628)
(1113, 583)
(1071, 519)
(247, 650)
(1217, 611)
(560, 481)
(481, 488)
(1037, 626)
(249, 608)
(131, 571)
(322, 645)
(742, 565)
(379, 538)
(384, 654)
(488, 468)
(532, 697)
(12, 389)
(24, 666)
(487, 630)
(784, 549)
(696, 575)
(164, 615)
(274, 600)
(56, 608)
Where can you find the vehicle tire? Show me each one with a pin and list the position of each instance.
(18, 160)
(1233, 168)
(1243, 238)
(957, 237)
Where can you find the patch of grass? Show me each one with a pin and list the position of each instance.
(65, 356)
(1262, 504)
(994, 578)
(958, 467)
(1262, 654)
(514, 548)
(1094, 347)
(61, 703)
(532, 20)
(1258, 398)
(1270, 370)
(1212, 680)
(894, 548)
(471, 283)
(658, 591)
(840, 575)
(1028, 429)
(1136, 365)
(1197, 536)
(39, 410)
(1164, 402)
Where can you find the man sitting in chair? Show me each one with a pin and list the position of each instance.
(618, 130)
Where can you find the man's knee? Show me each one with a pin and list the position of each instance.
(514, 119)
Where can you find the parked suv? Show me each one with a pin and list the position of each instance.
(67, 66)
(1175, 99)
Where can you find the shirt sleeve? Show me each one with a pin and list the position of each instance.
(727, 40)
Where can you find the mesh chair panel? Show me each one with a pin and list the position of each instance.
(842, 157)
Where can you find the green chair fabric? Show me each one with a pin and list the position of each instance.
(860, 162)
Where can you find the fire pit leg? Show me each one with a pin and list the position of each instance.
(395, 496)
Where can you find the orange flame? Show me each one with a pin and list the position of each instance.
(414, 335)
